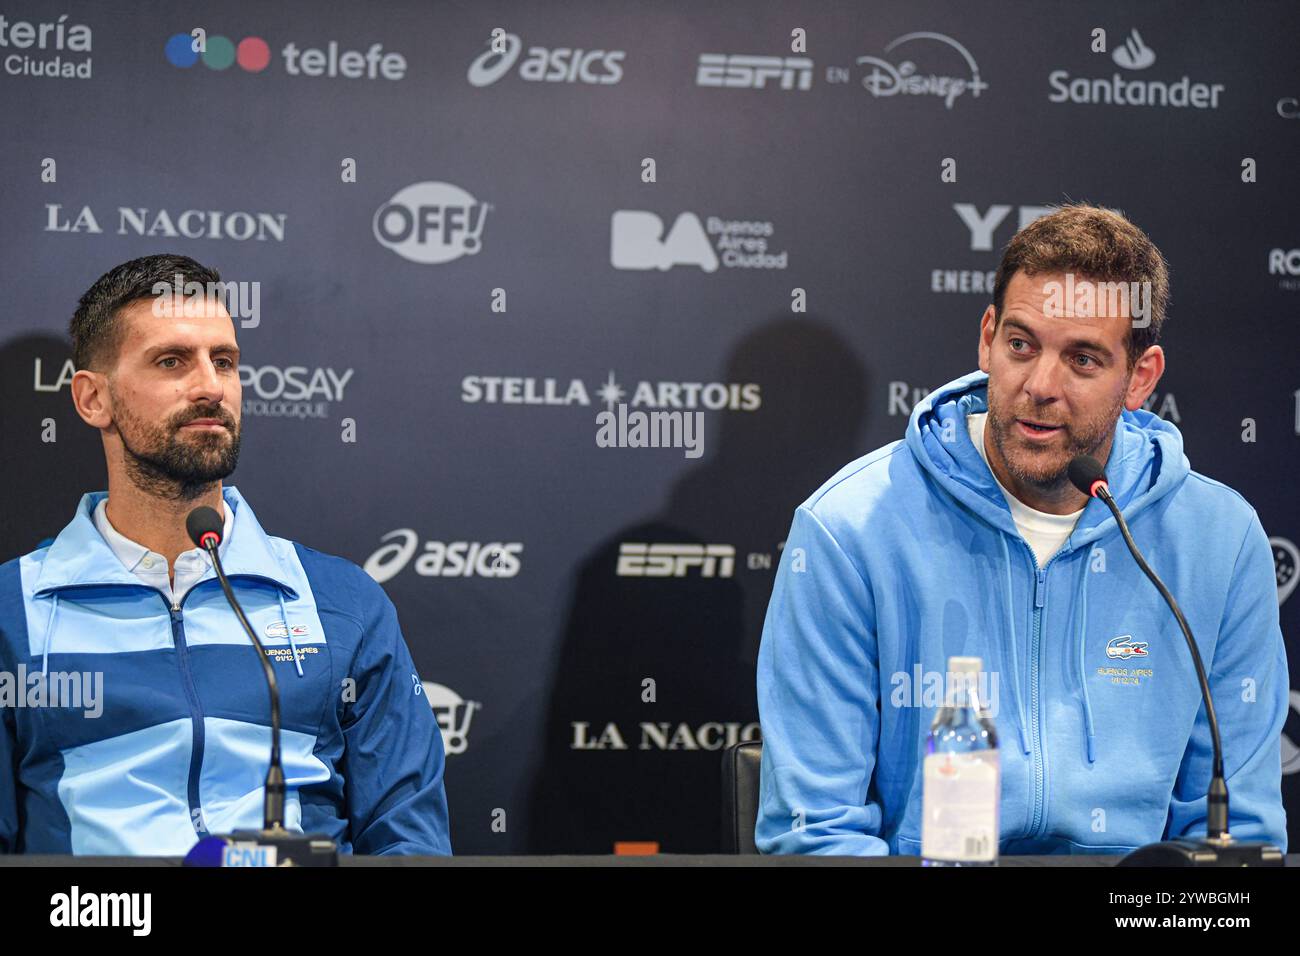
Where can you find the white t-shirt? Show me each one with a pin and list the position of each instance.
(1044, 532)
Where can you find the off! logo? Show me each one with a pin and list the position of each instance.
(443, 559)
(453, 714)
(431, 222)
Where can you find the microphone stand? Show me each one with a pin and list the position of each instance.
(1218, 849)
(273, 806)
(273, 845)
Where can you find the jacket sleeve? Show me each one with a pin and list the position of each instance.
(818, 701)
(8, 783)
(9, 817)
(1249, 685)
(393, 756)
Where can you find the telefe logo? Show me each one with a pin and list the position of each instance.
(253, 54)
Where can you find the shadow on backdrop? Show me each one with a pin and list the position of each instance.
(41, 481)
(696, 637)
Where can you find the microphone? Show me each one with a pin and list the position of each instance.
(1218, 848)
(273, 845)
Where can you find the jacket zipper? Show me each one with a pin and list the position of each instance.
(1040, 761)
(196, 713)
(1035, 730)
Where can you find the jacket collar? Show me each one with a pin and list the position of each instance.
(80, 556)
(1146, 459)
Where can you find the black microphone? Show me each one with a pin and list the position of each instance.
(1218, 848)
(273, 845)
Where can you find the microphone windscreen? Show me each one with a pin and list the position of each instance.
(201, 521)
(1084, 472)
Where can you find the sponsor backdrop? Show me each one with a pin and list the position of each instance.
(454, 252)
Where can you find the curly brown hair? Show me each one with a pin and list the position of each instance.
(1093, 243)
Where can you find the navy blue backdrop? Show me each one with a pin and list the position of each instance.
(462, 252)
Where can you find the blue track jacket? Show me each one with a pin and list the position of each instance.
(180, 745)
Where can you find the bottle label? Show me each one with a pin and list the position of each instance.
(959, 813)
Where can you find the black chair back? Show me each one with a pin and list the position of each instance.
(741, 765)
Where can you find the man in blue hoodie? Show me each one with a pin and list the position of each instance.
(967, 538)
(134, 716)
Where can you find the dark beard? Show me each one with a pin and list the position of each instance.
(1046, 483)
(169, 468)
(1081, 438)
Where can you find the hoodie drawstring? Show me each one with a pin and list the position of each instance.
(1015, 658)
(284, 616)
(1082, 615)
(49, 633)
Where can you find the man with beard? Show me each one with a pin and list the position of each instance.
(177, 749)
(967, 539)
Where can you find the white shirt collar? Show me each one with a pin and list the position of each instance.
(132, 554)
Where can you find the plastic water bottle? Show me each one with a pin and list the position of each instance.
(962, 786)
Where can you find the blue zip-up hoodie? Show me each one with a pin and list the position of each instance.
(909, 555)
(180, 748)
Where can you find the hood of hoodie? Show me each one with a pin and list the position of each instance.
(1146, 460)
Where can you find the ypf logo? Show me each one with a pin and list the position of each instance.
(217, 53)
(453, 714)
(431, 222)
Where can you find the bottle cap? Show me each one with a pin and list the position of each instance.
(965, 665)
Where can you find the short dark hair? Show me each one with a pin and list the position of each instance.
(96, 333)
(1092, 242)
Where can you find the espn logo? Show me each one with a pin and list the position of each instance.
(675, 560)
(752, 72)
